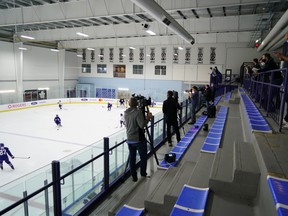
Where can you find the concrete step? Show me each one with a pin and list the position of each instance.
(182, 177)
(244, 177)
(154, 202)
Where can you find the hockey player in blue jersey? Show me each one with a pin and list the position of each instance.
(57, 121)
(4, 152)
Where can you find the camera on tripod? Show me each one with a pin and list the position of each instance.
(142, 101)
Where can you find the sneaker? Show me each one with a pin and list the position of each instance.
(12, 167)
(285, 125)
(170, 144)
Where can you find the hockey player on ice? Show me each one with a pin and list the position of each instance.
(57, 121)
(122, 121)
(109, 106)
(60, 104)
(4, 152)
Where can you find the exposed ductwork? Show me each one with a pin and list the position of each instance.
(156, 11)
(276, 35)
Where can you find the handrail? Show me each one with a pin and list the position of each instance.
(254, 85)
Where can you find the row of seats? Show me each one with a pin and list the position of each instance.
(131, 211)
(185, 142)
(181, 147)
(190, 202)
(279, 190)
(213, 139)
(256, 120)
(227, 96)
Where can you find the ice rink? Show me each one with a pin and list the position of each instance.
(33, 133)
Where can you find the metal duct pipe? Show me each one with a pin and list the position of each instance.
(282, 23)
(277, 41)
(156, 11)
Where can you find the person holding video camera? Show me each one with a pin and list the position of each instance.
(135, 123)
(170, 109)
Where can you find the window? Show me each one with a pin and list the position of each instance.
(137, 69)
(86, 68)
(101, 68)
(160, 70)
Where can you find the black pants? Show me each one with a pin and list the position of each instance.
(176, 129)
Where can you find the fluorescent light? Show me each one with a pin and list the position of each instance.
(150, 32)
(22, 48)
(132, 48)
(100, 55)
(27, 37)
(80, 56)
(90, 48)
(45, 88)
(6, 91)
(123, 55)
(148, 55)
(123, 89)
(54, 50)
(180, 48)
(82, 34)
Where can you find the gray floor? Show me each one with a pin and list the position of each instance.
(236, 175)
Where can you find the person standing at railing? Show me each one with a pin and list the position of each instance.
(284, 64)
(170, 109)
(135, 122)
(194, 97)
(277, 79)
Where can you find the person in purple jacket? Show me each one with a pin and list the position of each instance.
(4, 152)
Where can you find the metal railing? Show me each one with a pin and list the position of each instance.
(71, 185)
(270, 94)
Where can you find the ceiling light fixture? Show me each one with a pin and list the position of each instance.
(54, 50)
(150, 32)
(22, 48)
(82, 34)
(180, 48)
(6, 91)
(27, 37)
(80, 56)
(90, 48)
(132, 48)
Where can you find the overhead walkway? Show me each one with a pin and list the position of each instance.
(236, 174)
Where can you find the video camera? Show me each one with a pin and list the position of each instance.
(142, 101)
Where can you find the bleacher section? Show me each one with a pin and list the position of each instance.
(185, 142)
(191, 201)
(213, 139)
(279, 190)
(131, 211)
(227, 96)
(256, 121)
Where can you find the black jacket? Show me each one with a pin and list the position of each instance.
(170, 108)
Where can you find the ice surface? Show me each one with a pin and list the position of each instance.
(33, 133)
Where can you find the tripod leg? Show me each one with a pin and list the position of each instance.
(126, 166)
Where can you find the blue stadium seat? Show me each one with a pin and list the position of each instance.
(191, 201)
(279, 190)
(213, 139)
(131, 211)
(255, 118)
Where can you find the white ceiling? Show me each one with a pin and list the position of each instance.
(54, 23)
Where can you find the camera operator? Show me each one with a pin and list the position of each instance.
(135, 123)
(194, 97)
(170, 109)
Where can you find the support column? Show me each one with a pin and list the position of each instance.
(18, 56)
(61, 72)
